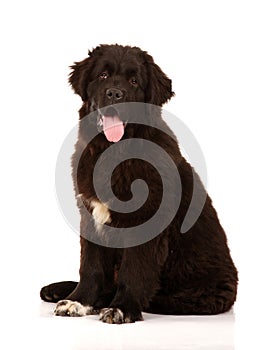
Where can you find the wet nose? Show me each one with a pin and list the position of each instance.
(114, 94)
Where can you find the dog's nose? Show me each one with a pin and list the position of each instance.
(114, 94)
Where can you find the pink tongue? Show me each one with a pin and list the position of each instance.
(113, 128)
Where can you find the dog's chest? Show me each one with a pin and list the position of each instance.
(120, 179)
(108, 178)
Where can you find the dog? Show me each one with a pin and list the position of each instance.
(171, 272)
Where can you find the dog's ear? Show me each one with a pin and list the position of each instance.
(159, 89)
(80, 75)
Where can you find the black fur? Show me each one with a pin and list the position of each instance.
(174, 273)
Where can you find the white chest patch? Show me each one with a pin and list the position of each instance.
(100, 213)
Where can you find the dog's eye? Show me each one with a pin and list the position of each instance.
(133, 81)
(104, 75)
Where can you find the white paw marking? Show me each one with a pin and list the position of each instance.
(110, 315)
(72, 308)
(100, 214)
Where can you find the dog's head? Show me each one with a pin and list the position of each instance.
(115, 74)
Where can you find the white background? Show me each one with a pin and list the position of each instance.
(212, 50)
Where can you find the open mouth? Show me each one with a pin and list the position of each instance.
(111, 124)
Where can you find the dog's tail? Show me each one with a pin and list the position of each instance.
(57, 291)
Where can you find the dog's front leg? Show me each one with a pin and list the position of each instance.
(138, 281)
(94, 289)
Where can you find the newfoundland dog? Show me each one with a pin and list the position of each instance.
(170, 271)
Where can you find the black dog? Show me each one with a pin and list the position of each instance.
(173, 273)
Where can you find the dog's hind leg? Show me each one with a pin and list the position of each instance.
(221, 300)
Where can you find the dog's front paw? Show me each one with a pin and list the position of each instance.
(116, 315)
(72, 308)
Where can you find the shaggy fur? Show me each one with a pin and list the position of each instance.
(174, 273)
